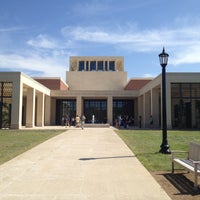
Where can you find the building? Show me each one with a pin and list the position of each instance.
(98, 86)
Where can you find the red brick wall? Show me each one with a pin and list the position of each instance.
(136, 84)
(53, 84)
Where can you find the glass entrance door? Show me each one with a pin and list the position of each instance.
(65, 108)
(96, 107)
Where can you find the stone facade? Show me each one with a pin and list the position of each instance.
(99, 85)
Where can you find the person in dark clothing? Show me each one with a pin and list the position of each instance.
(140, 121)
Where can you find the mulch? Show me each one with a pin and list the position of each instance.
(179, 186)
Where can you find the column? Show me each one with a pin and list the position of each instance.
(79, 105)
(30, 110)
(17, 96)
(77, 65)
(110, 110)
(53, 111)
(47, 111)
(40, 110)
(89, 65)
(147, 109)
(140, 108)
(144, 111)
(136, 111)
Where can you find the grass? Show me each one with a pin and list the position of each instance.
(145, 144)
(15, 142)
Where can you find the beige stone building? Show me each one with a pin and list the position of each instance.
(98, 86)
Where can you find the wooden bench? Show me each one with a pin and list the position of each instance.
(191, 163)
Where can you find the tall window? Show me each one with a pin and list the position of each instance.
(5, 104)
(93, 66)
(65, 107)
(112, 65)
(123, 108)
(95, 107)
(100, 65)
(81, 66)
(185, 105)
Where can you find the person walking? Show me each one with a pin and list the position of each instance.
(77, 121)
(151, 121)
(119, 121)
(83, 118)
(93, 119)
(67, 121)
(140, 121)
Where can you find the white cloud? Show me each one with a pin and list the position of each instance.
(43, 41)
(144, 37)
(45, 66)
(182, 41)
(188, 55)
(48, 56)
(44, 56)
(11, 29)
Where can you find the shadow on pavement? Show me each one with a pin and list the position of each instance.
(84, 159)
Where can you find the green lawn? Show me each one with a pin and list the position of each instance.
(15, 142)
(145, 144)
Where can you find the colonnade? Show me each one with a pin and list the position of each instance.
(30, 102)
(36, 108)
(150, 104)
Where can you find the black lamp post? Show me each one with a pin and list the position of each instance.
(163, 57)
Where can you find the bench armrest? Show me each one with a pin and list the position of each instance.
(196, 162)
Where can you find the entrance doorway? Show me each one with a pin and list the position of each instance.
(96, 107)
(65, 108)
(125, 109)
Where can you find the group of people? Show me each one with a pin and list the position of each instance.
(124, 121)
(127, 121)
(77, 121)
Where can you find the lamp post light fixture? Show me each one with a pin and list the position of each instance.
(163, 57)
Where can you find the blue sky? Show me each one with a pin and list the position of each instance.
(38, 36)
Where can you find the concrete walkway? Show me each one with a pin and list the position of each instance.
(89, 164)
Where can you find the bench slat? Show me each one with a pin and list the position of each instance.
(187, 164)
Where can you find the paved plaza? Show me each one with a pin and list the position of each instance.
(89, 164)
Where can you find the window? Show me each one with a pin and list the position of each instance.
(96, 107)
(81, 66)
(175, 90)
(123, 108)
(93, 66)
(195, 90)
(112, 65)
(100, 65)
(185, 89)
(185, 106)
(5, 104)
(65, 107)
